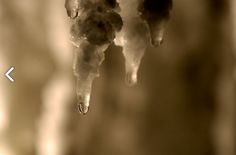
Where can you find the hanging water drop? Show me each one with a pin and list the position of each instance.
(83, 104)
(72, 8)
(156, 14)
(131, 77)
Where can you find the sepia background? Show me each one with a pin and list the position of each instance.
(183, 104)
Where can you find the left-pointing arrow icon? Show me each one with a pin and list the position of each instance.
(7, 74)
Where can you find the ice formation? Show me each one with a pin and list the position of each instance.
(132, 24)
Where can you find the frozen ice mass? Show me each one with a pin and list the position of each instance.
(132, 24)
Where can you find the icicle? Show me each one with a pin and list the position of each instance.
(95, 26)
(92, 31)
(134, 38)
(88, 58)
(156, 14)
(144, 21)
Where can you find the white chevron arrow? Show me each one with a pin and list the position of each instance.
(7, 74)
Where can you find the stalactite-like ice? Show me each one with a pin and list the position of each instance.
(132, 24)
(92, 31)
(144, 21)
(156, 13)
(133, 38)
(88, 58)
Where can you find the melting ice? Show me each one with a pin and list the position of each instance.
(132, 24)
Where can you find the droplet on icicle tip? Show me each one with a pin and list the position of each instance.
(72, 8)
(157, 42)
(157, 34)
(72, 13)
(83, 104)
(83, 109)
(131, 78)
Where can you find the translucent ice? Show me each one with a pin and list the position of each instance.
(88, 58)
(72, 8)
(156, 13)
(134, 40)
(143, 22)
(97, 23)
(92, 31)
(133, 37)
(157, 29)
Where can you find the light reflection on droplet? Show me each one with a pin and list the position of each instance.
(83, 102)
(83, 109)
(72, 14)
(157, 42)
(131, 78)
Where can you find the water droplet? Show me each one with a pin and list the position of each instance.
(72, 7)
(83, 109)
(157, 30)
(83, 103)
(72, 13)
(131, 78)
(157, 42)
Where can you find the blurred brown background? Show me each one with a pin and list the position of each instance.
(183, 104)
